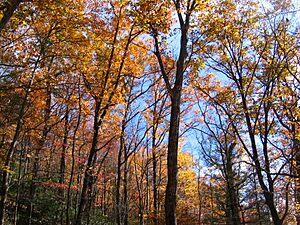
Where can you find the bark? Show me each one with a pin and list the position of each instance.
(172, 161)
(154, 169)
(233, 217)
(155, 197)
(35, 169)
(16, 212)
(125, 189)
(11, 150)
(268, 189)
(296, 153)
(119, 206)
(175, 94)
(257, 206)
(64, 148)
(10, 7)
(5, 173)
(89, 171)
(63, 163)
(199, 200)
(73, 162)
(118, 187)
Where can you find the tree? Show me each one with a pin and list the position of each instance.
(253, 67)
(223, 154)
(157, 25)
(109, 72)
(8, 7)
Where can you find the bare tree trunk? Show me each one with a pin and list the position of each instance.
(63, 163)
(11, 150)
(296, 153)
(118, 188)
(125, 189)
(199, 200)
(155, 199)
(73, 160)
(172, 160)
(119, 207)
(89, 171)
(18, 185)
(232, 199)
(35, 169)
(175, 94)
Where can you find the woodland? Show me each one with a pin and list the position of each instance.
(149, 112)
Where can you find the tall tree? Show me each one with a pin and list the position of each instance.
(156, 24)
(254, 80)
(104, 81)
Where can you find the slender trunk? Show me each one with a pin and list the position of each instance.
(64, 148)
(77, 195)
(172, 161)
(232, 200)
(73, 163)
(296, 153)
(63, 164)
(118, 191)
(199, 200)
(154, 169)
(122, 150)
(268, 193)
(119, 177)
(257, 201)
(141, 213)
(155, 199)
(159, 183)
(41, 143)
(147, 206)
(89, 171)
(18, 185)
(125, 190)
(211, 203)
(175, 94)
(5, 173)
(11, 150)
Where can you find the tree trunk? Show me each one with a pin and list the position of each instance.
(35, 169)
(125, 191)
(175, 94)
(10, 7)
(11, 150)
(89, 171)
(155, 199)
(118, 189)
(73, 163)
(296, 153)
(172, 161)
(232, 199)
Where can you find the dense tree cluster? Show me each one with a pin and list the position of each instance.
(149, 112)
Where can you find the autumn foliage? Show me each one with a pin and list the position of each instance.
(149, 112)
